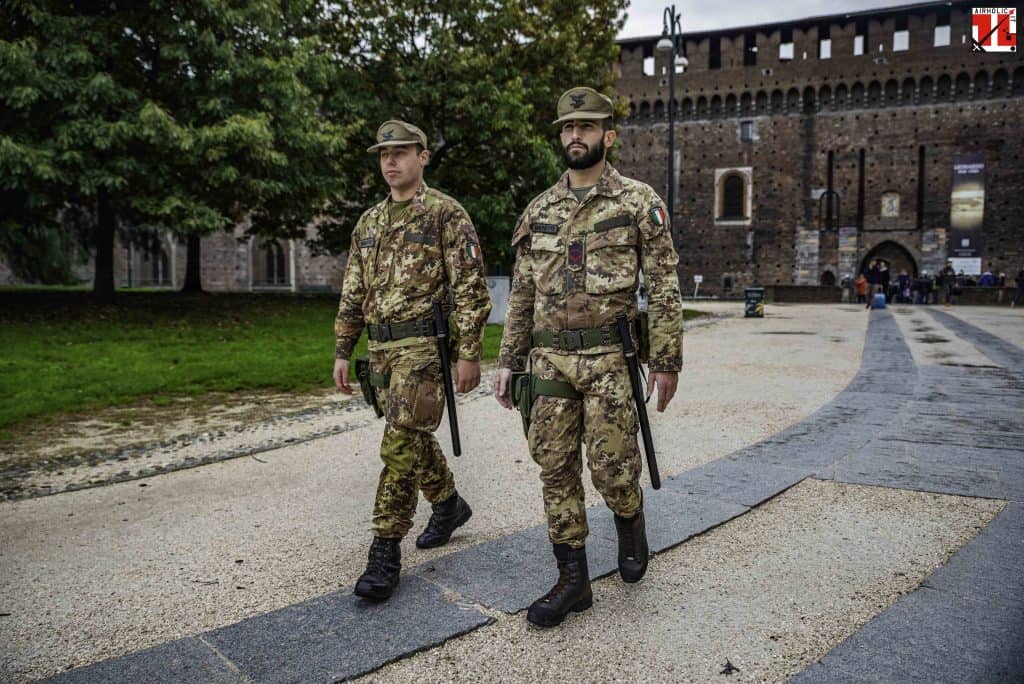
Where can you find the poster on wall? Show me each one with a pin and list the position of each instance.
(967, 209)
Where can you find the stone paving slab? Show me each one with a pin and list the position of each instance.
(339, 636)
(976, 430)
(930, 468)
(185, 660)
(510, 572)
(671, 516)
(990, 567)
(930, 636)
(748, 483)
(1006, 354)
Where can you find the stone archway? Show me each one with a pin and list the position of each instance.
(895, 255)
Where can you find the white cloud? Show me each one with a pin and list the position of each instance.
(645, 17)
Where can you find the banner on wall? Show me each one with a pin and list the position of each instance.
(967, 210)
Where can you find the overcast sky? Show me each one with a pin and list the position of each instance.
(645, 16)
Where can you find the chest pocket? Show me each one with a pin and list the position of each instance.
(612, 263)
(419, 265)
(548, 252)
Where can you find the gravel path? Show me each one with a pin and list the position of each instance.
(769, 592)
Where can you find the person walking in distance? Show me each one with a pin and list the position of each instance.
(580, 247)
(414, 248)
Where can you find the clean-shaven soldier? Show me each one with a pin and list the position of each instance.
(580, 249)
(416, 247)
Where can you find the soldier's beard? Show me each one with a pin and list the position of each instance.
(593, 156)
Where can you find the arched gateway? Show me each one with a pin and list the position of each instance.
(892, 253)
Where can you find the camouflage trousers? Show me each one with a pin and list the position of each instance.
(413, 461)
(605, 420)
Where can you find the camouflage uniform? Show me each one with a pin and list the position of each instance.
(395, 272)
(577, 266)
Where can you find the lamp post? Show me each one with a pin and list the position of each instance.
(670, 43)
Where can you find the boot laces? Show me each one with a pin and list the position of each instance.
(378, 560)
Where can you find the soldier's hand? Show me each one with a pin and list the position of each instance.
(666, 383)
(467, 375)
(341, 376)
(501, 387)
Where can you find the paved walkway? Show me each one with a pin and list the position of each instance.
(965, 623)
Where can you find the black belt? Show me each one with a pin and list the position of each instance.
(573, 340)
(387, 332)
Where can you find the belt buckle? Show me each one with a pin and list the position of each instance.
(572, 340)
(384, 333)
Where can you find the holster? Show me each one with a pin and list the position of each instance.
(522, 396)
(643, 337)
(363, 373)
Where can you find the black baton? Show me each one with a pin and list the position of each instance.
(441, 323)
(633, 366)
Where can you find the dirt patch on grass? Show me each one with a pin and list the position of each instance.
(48, 443)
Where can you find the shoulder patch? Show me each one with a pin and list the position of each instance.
(366, 242)
(657, 215)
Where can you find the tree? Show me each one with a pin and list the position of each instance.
(481, 77)
(181, 116)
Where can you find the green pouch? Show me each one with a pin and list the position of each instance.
(643, 337)
(363, 373)
(522, 396)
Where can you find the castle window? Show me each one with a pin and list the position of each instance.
(860, 39)
(746, 131)
(648, 66)
(715, 53)
(824, 42)
(786, 45)
(942, 33)
(270, 264)
(749, 49)
(900, 41)
(733, 190)
(732, 198)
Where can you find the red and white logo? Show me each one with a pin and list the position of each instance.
(994, 29)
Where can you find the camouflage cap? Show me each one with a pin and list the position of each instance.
(583, 103)
(394, 132)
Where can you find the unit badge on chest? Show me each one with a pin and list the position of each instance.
(575, 254)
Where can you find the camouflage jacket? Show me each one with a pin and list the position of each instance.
(396, 271)
(577, 266)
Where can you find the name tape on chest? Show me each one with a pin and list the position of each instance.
(548, 228)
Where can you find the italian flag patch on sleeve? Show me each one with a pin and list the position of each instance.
(658, 216)
(473, 250)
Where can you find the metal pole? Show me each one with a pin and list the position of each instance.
(672, 20)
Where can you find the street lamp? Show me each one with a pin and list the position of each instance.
(670, 43)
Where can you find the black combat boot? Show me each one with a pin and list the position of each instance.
(451, 513)
(633, 551)
(570, 593)
(382, 568)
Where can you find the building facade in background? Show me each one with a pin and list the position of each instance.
(805, 149)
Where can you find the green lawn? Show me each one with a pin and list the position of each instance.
(61, 354)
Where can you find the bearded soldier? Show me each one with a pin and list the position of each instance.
(580, 249)
(414, 248)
